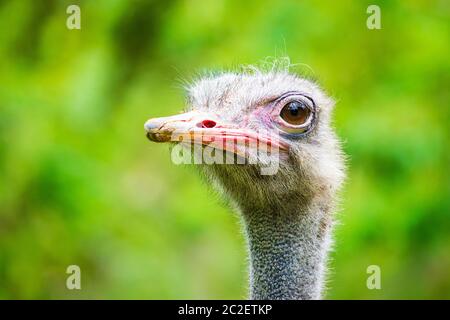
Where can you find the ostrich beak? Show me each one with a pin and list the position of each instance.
(201, 128)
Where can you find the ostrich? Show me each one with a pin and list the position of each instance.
(287, 216)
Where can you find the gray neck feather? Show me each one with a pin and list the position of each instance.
(287, 253)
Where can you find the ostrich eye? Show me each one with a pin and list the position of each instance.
(295, 113)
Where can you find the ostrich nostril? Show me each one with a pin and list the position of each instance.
(207, 124)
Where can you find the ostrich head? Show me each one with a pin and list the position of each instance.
(287, 213)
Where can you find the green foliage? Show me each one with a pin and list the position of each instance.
(80, 184)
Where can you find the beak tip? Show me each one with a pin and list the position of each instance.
(150, 125)
(153, 131)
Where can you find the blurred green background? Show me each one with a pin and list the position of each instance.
(80, 184)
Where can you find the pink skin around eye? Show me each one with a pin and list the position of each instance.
(264, 114)
(269, 116)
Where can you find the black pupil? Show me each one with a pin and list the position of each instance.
(295, 108)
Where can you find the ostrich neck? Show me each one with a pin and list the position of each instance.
(287, 253)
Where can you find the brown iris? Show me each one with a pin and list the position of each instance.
(295, 113)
